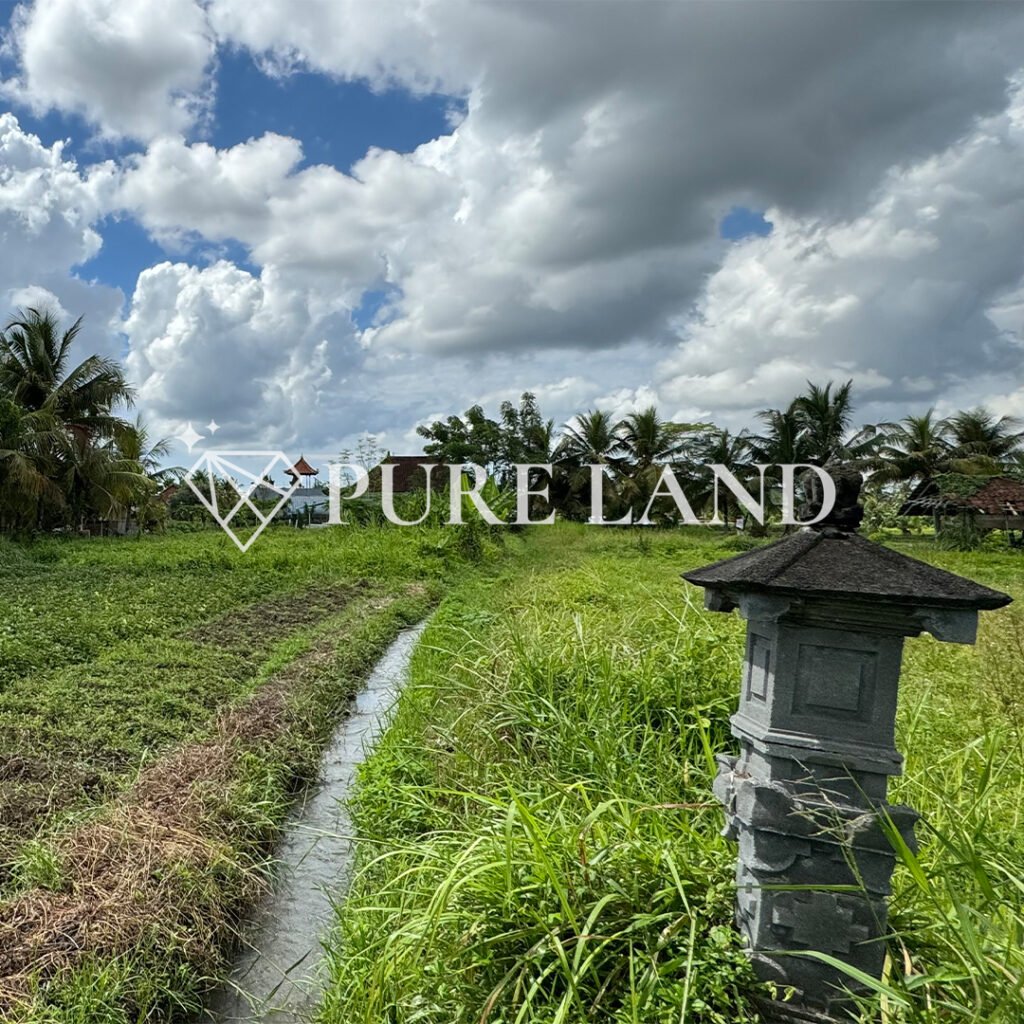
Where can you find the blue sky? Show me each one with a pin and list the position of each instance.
(336, 121)
(742, 222)
(551, 202)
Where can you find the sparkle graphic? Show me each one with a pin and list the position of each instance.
(213, 426)
(190, 436)
(212, 467)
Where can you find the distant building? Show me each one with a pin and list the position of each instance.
(408, 474)
(308, 500)
(993, 502)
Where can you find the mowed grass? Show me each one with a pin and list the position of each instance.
(539, 838)
(161, 701)
(111, 650)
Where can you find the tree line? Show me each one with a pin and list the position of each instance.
(69, 456)
(816, 428)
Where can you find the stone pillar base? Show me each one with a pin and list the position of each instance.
(812, 875)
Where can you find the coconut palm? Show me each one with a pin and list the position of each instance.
(825, 416)
(27, 443)
(590, 438)
(784, 442)
(649, 444)
(36, 372)
(916, 449)
(99, 481)
(716, 447)
(135, 444)
(977, 435)
(648, 440)
(71, 410)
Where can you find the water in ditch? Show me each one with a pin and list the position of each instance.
(276, 977)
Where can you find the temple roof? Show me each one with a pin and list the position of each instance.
(302, 468)
(836, 564)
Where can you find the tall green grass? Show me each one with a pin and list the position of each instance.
(539, 839)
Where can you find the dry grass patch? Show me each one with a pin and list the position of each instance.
(161, 866)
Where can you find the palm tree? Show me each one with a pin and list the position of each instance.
(648, 440)
(916, 449)
(136, 448)
(649, 444)
(825, 417)
(100, 481)
(717, 447)
(35, 373)
(989, 442)
(72, 412)
(134, 443)
(27, 443)
(589, 439)
(784, 442)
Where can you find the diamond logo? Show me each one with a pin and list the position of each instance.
(249, 487)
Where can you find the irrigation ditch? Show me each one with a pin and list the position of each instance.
(276, 974)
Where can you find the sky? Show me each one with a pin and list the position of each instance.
(311, 220)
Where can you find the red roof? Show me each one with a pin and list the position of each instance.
(302, 468)
(997, 496)
(408, 475)
(1001, 494)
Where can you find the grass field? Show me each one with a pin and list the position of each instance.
(539, 839)
(160, 702)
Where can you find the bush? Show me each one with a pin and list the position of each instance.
(960, 534)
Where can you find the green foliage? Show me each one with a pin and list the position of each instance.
(881, 512)
(37, 866)
(67, 457)
(960, 533)
(103, 661)
(541, 842)
(114, 653)
(960, 485)
(520, 435)
(540, 838)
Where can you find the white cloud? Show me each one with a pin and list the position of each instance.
(191, 329)
(131, 69)
(567, 229)
(576, 206)
(48, 208)
(47, 205)
(911, 299)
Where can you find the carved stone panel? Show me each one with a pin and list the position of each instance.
(835, 683)
(758, 668)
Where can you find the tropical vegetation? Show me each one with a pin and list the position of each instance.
(815, 429)
(68, 455)
(72, 460)
(539, 839)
